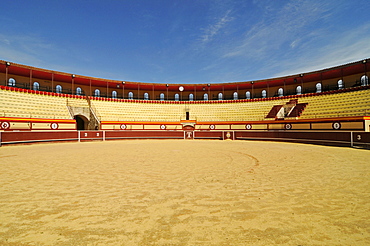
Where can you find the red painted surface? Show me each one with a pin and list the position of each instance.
(143, 134)
(36, 136)
(335, 138)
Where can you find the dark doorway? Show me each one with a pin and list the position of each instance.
(187, 115)
(81, 122)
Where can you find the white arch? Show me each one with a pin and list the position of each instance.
(264, 94)
(11, 82)
(220, 96)
(205, 97)
(78, 91)
(97, 93)
(340, 84)
(131, 95)
(281, 92)
(299, 90)
(364, 80)
(58, 89)
(191, 97)
(248, 95)
(146, 96)
(318, 88)
(235, 95)
(161, 96)
(36, 86)
(114, 94)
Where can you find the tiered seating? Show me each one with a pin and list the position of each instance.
(26, 104)
(240, 111)
(138, 111)
(354, 103)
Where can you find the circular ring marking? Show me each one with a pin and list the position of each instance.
(212, 127)
(336, 125)
(163, 127)
(123, 127)
(5, 125)
(248, 126)
(288, 126)
(54, 126)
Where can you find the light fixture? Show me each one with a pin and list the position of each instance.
(208, 85)
(364, 61)
(181, 88)
(73, 76)
(252, 82)
(166, 85)
(123, 82)
(7, 64)
(301, 75)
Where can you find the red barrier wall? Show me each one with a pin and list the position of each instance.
(361, 139)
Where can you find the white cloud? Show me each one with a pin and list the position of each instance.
(215, 28)
(279, 27)
(349, 46)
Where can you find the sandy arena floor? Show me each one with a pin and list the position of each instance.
(177, 192)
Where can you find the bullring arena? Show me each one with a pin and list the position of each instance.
(281, 161)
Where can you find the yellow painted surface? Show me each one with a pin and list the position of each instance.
(352, 125)
(300, 126)
(19, 125)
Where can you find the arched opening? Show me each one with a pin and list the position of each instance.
(220, 96)
(340, 84)
(58, 89)
(205, 97)
(364, 80)
(235, 95)
(130, 95)
(299, 90)
(81, 122)
(78, 91)
(177, 97)
(281, 92)
(146, 96)
(264, 94)
(114, 94)
(191, 97)
(11, 82)
(161, 97)
(318, 88)
(97, 93)
(36, 86)
(248, 95)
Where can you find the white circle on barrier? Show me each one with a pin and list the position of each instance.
(123, 127)
(336, 125)
(54, 126)
(5, 125)
(288, 126)
(212, 127)
(163, 127)
(248, 127)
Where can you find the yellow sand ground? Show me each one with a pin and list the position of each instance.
(177, 192)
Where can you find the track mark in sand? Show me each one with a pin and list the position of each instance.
(7, 156)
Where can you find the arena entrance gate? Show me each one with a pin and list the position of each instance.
(81, 122)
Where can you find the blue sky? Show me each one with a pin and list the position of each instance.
(185, 41)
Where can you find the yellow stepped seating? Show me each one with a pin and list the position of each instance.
(27, 105)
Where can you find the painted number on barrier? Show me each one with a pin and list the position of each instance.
(85, 134)
(97, 134)
(358, 137)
